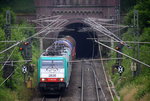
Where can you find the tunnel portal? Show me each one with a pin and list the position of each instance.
(85, 48)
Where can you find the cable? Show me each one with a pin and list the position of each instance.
(123, 54)
(18, 61)
(49, 38)
(105, 74)
(7, 59)
(100, 30)
(41, 31)
(118, 41)
(114, 25)
(9, 41)
(10, 47)
(103, 59)
(15, 47)
(9, 76)
(57, 16)
(103, 30)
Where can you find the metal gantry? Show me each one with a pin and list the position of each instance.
(97, 24)
(49, 24)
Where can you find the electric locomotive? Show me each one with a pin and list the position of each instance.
(54, 68)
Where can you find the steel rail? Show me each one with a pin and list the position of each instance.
(96, 82)
(44, 99)
(52, 99)
(105, 74)
(99, 83)
(60, 97)
(82, 83)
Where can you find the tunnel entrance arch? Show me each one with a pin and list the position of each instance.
(85, 48)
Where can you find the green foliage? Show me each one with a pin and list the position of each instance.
(144, 89)
(6, 96)
(126, 5)
(3, 16)
(23, 6)
(2, 37)
(144, 14)
(17, 90)
(142, 81)
(145, 37)
(145, 54)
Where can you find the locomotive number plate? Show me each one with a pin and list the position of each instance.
(52, 75)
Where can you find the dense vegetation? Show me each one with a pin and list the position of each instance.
(135, 88)
(14, 89)
(19, 6)
(129, 88)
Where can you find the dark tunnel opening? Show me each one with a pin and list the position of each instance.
(85, 48)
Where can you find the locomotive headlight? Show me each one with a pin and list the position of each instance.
(43, 79)
(61, 79)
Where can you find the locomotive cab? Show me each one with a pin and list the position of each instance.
(53, 75)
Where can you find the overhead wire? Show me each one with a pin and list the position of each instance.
(103, 30)
(105, 73)
(123, 26)
(10, 47)
(52, 24)
(8, 59)
(5, 64)
(8, 41)
(100, 30)
(9, 76)
(56, 25)
(123, 54)
(41, 31)
(140, 42)
(18, 61)
(16, 44)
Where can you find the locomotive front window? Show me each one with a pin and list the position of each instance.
(52, 64)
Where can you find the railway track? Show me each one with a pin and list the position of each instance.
(106, 93)
(87, 83)
(47, 98)
(59, 98)
(100, 90)
(90, 88)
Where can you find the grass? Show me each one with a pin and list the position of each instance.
(127, 93)
(131, 88)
